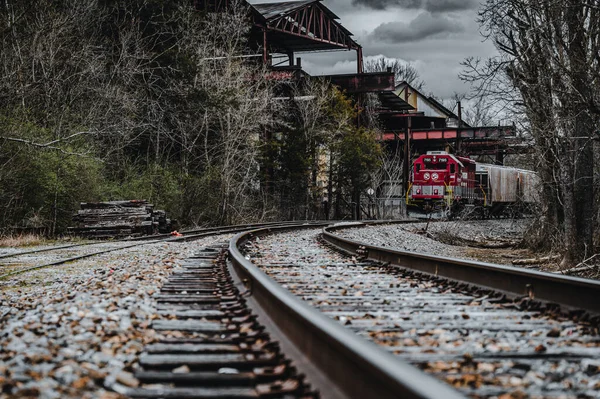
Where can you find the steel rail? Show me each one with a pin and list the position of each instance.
(357, 367)
(573, 292)
(71, 259)
(202, 297)
(165, 238)
(146, 238)
(217, 228)
(35, 251)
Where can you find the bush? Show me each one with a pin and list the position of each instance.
(43, 188)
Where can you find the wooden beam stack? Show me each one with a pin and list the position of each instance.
(118, 219)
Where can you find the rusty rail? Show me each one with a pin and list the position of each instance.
(217, 349)
(189, 235)
(565, 290)
(352, 365)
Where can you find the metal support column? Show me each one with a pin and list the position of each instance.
(407, 163)
(359, 60)
(458, 150)
(265, 49)
(499, 156)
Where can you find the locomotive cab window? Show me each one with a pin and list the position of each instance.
(452, 168)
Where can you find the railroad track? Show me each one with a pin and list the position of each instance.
(228, 330)
(215, 346)
(483, 329)
(217, 349)
(26, 261)
(212, 345)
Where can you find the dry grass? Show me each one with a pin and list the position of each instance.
(23, 240)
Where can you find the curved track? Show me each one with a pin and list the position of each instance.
(490, 339)
(208, 343)
(244, 335)
(215, 347)
(26, 261)
(337, 361)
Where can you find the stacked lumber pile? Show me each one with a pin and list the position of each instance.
(117, 219)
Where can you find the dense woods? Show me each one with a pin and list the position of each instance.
(108, 100)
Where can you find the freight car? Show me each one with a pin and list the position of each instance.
(445, 182)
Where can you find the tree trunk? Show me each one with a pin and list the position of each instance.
(356, 200)
(569, 205)
(583, 155)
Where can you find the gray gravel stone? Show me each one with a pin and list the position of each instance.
(406, 237)
(64, 329)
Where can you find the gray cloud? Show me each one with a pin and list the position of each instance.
(437, 58)
(433, 6)
(436, 6)
(425, 25)
(383, 4)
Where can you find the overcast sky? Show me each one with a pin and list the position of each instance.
(433, 35)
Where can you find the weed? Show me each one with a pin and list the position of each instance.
(22, 240)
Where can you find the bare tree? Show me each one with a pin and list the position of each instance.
(144, 86)
(387, 183)
(549, 55)
(477, 110)
(240, 106)
(404, 72)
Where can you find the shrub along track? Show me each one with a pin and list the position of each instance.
(487, 343)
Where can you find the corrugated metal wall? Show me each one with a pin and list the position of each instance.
(511, 185)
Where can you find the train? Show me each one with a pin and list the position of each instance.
(445, 182)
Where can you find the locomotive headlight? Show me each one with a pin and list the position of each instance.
(418, 191)
(435, 191)
(426, 176)
(435, 176)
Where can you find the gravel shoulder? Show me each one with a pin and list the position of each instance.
(482, 345)
(65, 330)
(4, 251)
(469, 238)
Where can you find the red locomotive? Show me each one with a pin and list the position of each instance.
(442, 181)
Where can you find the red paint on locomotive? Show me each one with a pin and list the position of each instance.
(439, 176)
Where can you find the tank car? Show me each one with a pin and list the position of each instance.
(445, 182)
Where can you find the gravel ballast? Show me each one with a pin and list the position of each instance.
(420, 237)
(474, 340)
(66, 330)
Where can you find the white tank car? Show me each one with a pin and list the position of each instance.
(506, 185)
